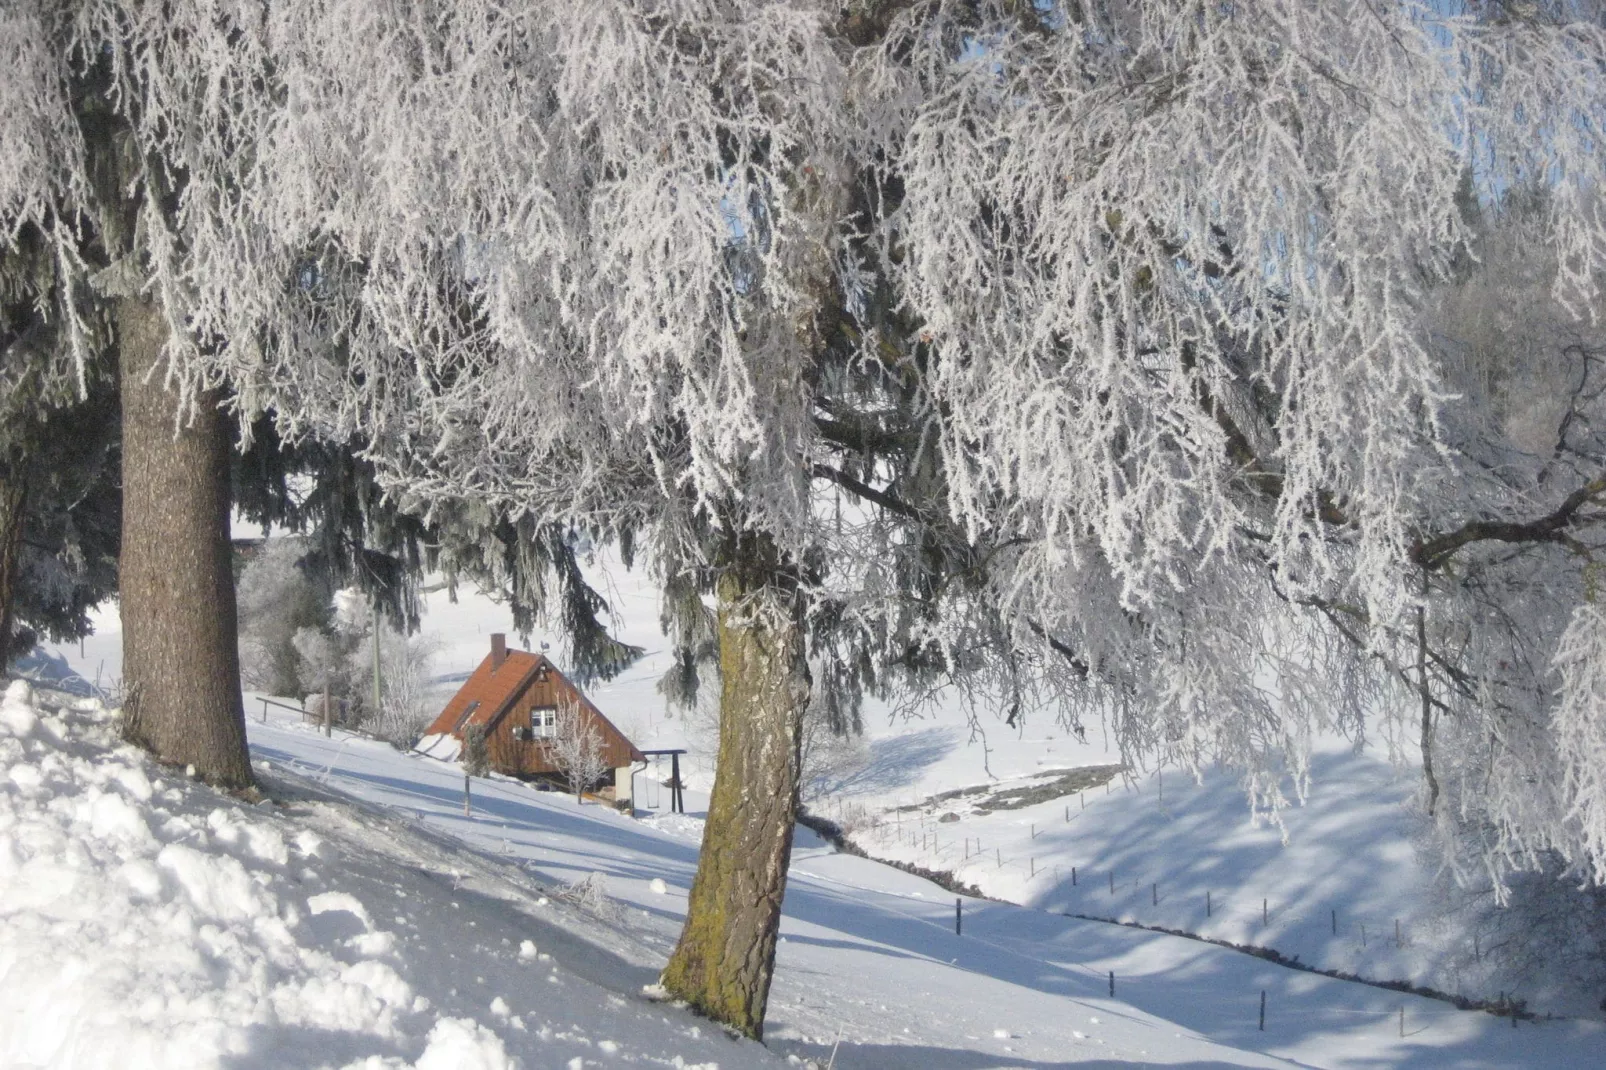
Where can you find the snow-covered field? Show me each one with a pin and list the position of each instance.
(363, 920)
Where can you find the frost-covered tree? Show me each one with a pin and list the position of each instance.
(59, 494)
(576, 748)
(322, 666)
(91, 195)
(408, 702)
(277, 599)
(1220, 336)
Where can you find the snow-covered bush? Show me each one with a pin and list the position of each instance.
(589, 893)
(276, 600)
(409, 703)
(576, 748)
(324, 665)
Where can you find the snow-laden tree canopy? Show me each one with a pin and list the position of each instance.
(1126, 331)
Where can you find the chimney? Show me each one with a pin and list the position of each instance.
(498, 650)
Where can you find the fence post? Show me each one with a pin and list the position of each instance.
(959, 909)
(1073, 876)
(1112, 984)
(1207, 903)
(1335, 922)
(1262, 1010)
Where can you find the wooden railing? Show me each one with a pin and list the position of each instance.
(266, 702)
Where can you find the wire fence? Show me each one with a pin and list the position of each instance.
(1352, 944)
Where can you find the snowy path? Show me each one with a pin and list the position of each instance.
(870, 952)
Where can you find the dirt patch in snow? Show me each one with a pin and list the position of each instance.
(1039, 788)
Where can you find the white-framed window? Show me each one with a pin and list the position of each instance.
(544, 722)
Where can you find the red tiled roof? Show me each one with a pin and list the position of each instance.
(491, 689)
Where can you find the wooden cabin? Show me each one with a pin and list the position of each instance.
(516, 694)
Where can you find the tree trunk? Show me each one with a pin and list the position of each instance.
(181, 670)
(726, 955)
(11, 505)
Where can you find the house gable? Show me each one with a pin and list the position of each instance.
(500, 695)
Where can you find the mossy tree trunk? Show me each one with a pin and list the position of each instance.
(181, 670)
(726, 955)
(12, 499)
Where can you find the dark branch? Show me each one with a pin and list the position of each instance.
(1554, 528)
(868, 493)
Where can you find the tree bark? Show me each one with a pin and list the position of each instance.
(181, 671)
(726, 955)
(12, 499)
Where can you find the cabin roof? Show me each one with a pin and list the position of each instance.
(492, 689)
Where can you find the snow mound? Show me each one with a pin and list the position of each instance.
(441, 746)
(461, 1044)
(143, 926)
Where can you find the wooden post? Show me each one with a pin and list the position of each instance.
(1034, 867)
(1112, 984)
(959, 916)
(1262, 1010)
(1207, 902)
(1073, 876)
(1154, 894)
(677, 798)
(465, 795)
(1264, 915)
(379, 689)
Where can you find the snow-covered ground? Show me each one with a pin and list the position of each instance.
(1161, 850)
(869, 953)
(362, 920)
